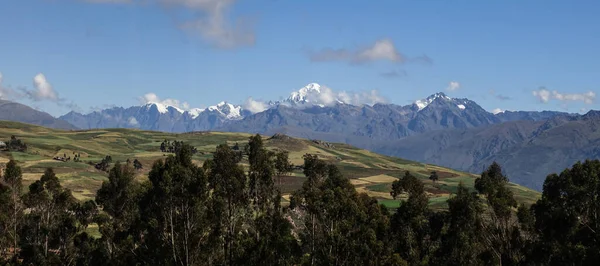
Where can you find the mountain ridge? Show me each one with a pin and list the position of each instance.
(437, 123)
(13, 111)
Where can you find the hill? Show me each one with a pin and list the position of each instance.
(369, 172)
(527, 150)
(13, 111)
(385, 128)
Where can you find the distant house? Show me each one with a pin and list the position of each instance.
(2, 145)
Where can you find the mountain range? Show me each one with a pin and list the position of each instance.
(13, 111)
(451, 132)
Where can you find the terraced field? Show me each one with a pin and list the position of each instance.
(369, 172)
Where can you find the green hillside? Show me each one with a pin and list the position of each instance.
(369, 172)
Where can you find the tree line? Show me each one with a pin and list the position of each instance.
(174, 146)
(221, 213)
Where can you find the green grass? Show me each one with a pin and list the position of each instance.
(24, 156)
(389, 203)
(121, 144)
(385, 187)
(59, 164)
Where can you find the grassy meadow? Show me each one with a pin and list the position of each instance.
(369, 172)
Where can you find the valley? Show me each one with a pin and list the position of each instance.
(369, 172)
(455, 133)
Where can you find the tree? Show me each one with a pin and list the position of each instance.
(492, 184)
(229, 204)
(12, 178)
(85, 213)
(15, 144)
(104, 164)
(118, 198)
(50, 223)
(269, 240)
(339, 226)
(434, 176)
(163, 146)
(460, 243)
(282, 164)
(260, 174)
(567, 217)
(307, 200)
(410, 223)
(5, 210)
(175, 212)
(137, 164)
(501, 232)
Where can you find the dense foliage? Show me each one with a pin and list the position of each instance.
(14, 144)
(173, 146)
(104, 164)
(223, 213)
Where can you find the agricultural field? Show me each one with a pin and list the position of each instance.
(369, 172)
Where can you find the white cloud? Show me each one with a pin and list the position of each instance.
(587, 98)
(361, 98)
(254, 106)
(133, 122)
(497, 111)
(207, 18)
(545, 95)
(4, 92)
(153, 98)
(542, 94)
(42, 91)
(380, 50)
(453, 86)
(212, 23)
(326, 96)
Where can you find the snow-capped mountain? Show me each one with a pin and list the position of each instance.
(380, 121)
(159, 116)
(425, 102)
(162, 108)
(313, 94)
(195, 112)
(230, 111)
(440, 96)
(304, 94)
(435, 125)
(313, 107)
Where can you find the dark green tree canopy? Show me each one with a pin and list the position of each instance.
(230, 211)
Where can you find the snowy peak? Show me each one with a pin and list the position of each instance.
(195, 112)
(162, 108)
(425, 102)
(302, 94)
(230, 111)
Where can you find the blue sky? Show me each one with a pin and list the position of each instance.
(57, 55)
